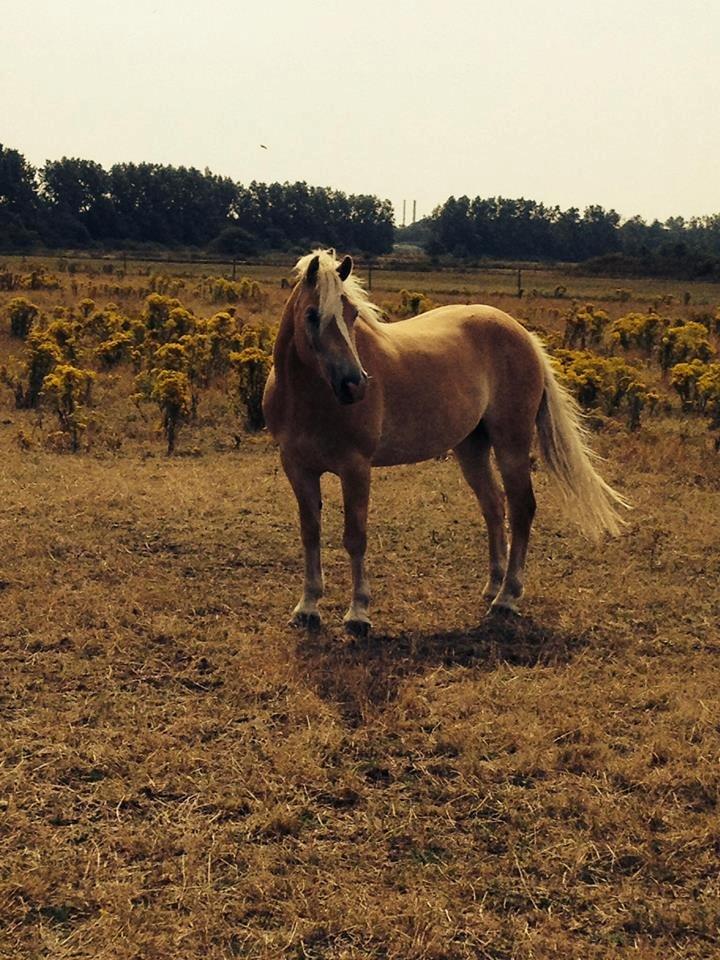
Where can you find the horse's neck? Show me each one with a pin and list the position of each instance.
(285, 336)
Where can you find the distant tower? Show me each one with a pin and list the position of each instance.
(404, 202)
(414, 211)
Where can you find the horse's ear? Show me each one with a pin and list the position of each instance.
(345, 268)
(312, 271)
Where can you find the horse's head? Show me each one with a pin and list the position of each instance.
(327, 318)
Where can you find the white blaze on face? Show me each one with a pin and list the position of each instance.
(331, 308)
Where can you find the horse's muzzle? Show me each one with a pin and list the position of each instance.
(351, 389)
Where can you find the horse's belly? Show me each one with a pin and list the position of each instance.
(425, 431)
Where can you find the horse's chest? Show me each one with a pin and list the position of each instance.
(323, 438)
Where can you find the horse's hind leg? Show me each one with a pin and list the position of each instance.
(473, 455)
(512, 451)
(306, 486)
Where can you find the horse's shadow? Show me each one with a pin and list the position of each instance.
(362, 676)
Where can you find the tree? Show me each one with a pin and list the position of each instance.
(18, 201)
(78, 202)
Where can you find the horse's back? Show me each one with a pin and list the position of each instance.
(471, 343)
(442, 372)
(458, 321)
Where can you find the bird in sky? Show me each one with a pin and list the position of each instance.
(263, 146)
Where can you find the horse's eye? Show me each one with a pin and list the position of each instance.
(312, 316)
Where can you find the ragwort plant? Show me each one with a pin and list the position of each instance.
(252, 364)
(584, 326)
(67, 392)
(171, 392)
(22, 314)
(605, 383)
(685, 342)
(222, 290)
(637, 330)
(165, 318)
(412, 303)
(684, 380)
(698, 386)
(43, 354)
(708, 387)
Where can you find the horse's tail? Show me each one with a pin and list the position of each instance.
(564, 447)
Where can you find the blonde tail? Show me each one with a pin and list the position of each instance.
(564, 447)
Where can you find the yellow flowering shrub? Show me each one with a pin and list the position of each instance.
(584, 325)
(412, 303)
(253, 366)
(684, 342)
(67, 391)
(171, 392)
(639, 330)
(605, 383)
(22, 314)
(42, 355)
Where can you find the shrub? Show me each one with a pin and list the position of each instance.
(190, 356)
(166, 319)
(39, 279)
(698, 385)
(163, 284)
(115, 350)
(197, 362)
(21, 314)
(221, 290)
(607, 383)
(584, 325)
(684, 378)
(708, 318)
(637, 398)
(413, 303)
(170, 356)
(8, 280)
(687, 341)
(171, 392)
(43, 355)
(63, 332)
(67, 391)
(107, 323)
(253, 365)
(86, 307)
(708, 388)
(642, 330)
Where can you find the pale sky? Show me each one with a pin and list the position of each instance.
(568, 102)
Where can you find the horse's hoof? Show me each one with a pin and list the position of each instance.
(505, 608)
(357, 628)
(305, 621)
(491, 590)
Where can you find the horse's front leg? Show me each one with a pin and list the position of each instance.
(306, 486)
(356, 497)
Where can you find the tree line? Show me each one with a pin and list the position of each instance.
(77, 203)
(522, 229)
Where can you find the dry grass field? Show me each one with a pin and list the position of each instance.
(184, 776)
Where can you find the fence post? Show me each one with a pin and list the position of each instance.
(519, 281)
(233, 266)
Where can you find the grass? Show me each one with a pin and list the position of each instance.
(185, 776)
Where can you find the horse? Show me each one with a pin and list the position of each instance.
(348, 392)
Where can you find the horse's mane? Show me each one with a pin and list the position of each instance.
(330, 287)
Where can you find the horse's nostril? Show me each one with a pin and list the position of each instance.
(352, 389)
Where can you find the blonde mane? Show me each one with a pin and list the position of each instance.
(330, 287)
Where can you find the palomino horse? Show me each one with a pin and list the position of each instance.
(348, 392)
